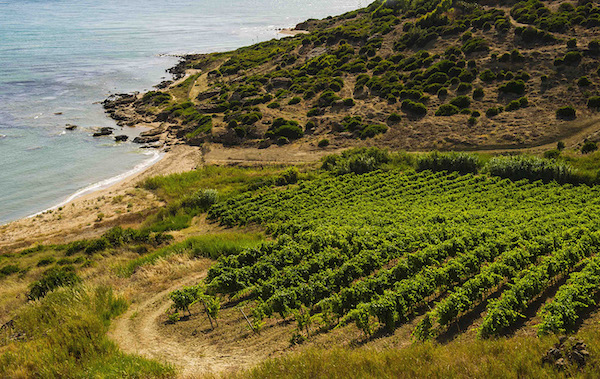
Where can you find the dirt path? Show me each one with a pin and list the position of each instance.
(142, 330)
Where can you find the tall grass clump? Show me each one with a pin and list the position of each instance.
(357, 160)
(65, 337)
(533, 168)
(211, 246)
(453, 161)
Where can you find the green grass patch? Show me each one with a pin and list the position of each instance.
(209, 246)
(66, 338)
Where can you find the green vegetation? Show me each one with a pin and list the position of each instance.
(66, 338)
(339, 267)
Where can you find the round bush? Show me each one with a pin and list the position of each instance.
(324, 142)
(447, 110)
(567, 112)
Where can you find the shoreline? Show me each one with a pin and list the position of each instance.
(91, 213)
(102, 184)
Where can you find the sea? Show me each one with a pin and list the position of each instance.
(60, 58)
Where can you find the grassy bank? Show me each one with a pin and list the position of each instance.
(64, 336)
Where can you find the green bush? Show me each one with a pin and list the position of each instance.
(513, 105)
(593, 102)
(516, 87)
(274, 105)
(589, 147)
(349, 102)
(493, 111)
(358, 160)
(461, 162)
(51, 279)
(418, 109)
(324, 142)
(478, 93)
(532, 168)
(372, 130)
(566, 112)
(461, 102)
(447, 110)
(394, 118)
(294, 100)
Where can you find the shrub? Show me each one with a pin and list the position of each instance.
(461, 162)
(552, 154)
(560, 146)
(572, 43)
(494, 111)
(566, 112)
(593, 102)
(202, 199)
(284, 128)
(589, 147)
(349, 102)
(324, 142)
(9, 270)
(442, 92)
(524, 102)
(274, 105)
(45, 262)
(572, 57)
(461, 102)
(294, 100)
(464, 87)
(516, 87)
(418, 109)
(532, 168)
(447, 110)
(478, 93)
(52, 279)
(373, 130)
(584, 81)
(394, 118)
(327, 98)
(357, 160)
(288, 176)
(472, 120)
(475, 44)
(513, 105)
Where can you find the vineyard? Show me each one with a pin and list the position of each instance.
(373, 249)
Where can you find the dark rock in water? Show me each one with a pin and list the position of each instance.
(70, 127)
(147, 139)
(121, 138)
(58, 113)
(104, 131)
(164, 84)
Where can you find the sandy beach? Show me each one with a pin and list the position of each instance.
(123, 203)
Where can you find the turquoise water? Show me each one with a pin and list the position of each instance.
(64, 56)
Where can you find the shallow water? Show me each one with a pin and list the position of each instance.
(64, 56)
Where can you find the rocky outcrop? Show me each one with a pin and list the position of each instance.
(121, 138)
(148, 139)
(568, 351)
(70, 127)
(281, 82)
(208, 94)
(104, 131)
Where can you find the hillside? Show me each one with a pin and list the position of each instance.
(412, 75)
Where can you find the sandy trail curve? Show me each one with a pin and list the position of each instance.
(142, 330)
